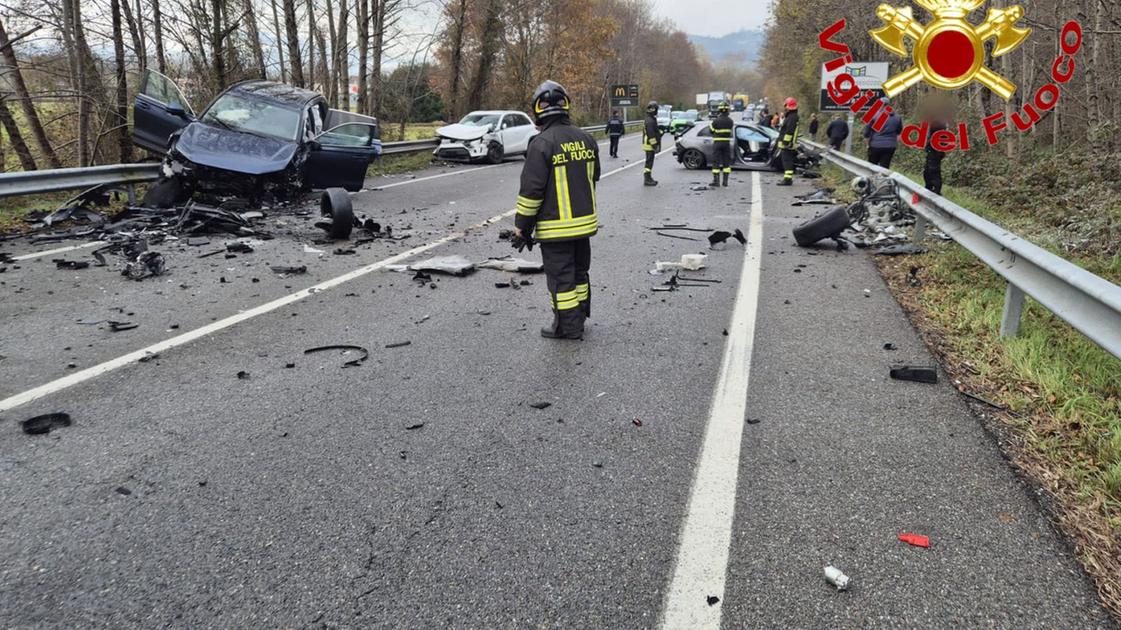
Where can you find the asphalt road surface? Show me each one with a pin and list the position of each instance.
(704, 454)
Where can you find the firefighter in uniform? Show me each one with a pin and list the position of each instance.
(651, 142)
(721, 128)
(557, 200)
(788, 141)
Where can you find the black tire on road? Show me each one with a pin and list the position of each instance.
(165, 193)
(495, 153)
(693, 159)
(827, 225)
(335, 203)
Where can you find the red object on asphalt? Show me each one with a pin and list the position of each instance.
(918, 540)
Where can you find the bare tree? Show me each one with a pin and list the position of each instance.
(15, 77)
(490, 41)
(157, 25)
(124, 143)
(254, 36)
(15, 137)
(278, 41)
(293, 31)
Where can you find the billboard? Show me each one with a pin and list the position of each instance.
(625, 95)
(869, 75)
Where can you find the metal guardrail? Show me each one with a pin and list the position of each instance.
(22, 183)
(35, 182)
(1089, 303)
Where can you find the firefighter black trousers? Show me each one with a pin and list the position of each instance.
(615, 146)
(566, 274)
(650, 161)
(787, 156)
(721, 157)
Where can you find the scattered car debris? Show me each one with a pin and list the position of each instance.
(917, 374)
(901, 249)
(684, 238)
(344, 252)
(45, 423)
(422, 277)
(890, 346)
(754, 420)
(239, 248)
(344, 348)
(820, 196)
(399, 344)
(834, 576)
(541, 405)
(915, 540)
(243, 375)
(414, 427)
(690, 262)
(829, 224)
(123, 491)
(983, 401)
(636, 422)
(62, 263)
(451, 265)
(121, 326)
(721, 236)
(289, 271)
(880, 215)
(147, 358)
(197, 241)
(515, 265)
(712, 600)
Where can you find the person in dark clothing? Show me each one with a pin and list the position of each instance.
(651, 142)
(813, 126)
(614, 131)
(721, 128)
(932, 170)
(788, 141)
(882, 143)
(765, 118)
(837, 132)
(557, 204)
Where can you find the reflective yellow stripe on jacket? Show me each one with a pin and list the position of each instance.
(720, 135)
(529, 207)
(567, 228)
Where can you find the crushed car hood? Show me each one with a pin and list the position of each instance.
(233, 150)
(462, 132)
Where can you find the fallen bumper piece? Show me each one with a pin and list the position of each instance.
(916, 374)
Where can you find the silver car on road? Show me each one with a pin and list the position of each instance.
(754, 147)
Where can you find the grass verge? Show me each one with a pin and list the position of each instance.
(1058, 395)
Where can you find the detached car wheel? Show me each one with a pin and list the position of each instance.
(165, 193)
(495, 153)
(335, 203)
(827, 225)
(693, 159)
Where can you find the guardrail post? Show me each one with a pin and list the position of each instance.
(920, 228)
(132, 194)
(1013, 309)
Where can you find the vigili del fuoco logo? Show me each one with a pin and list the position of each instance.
(949, 53)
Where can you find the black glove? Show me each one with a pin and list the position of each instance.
(521, 242)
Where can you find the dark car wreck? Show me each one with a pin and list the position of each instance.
(260, 141)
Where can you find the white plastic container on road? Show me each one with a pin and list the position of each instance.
(834, 576)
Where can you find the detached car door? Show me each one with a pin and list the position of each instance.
(158, 111)
(340, 156)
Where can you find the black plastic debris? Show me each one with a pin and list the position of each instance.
(399, 344)
(344, 348)
(62, 263)
(414, 427)
(239, 248)
(121, 326)
(541, 405)
(344, 251)
(148, 358)
(243, 375)
(684, 238)
(753, 420)
(890, 346)
(40, 425)
(289, 271)
(422, 277)
(918, 374)
(145, 264)
(712, 600)
(738, 235)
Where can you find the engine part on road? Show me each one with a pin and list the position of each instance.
(41, 425)
(834, 576)
(345, 349)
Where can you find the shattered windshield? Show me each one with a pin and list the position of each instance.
(257, 116)
(479, 120)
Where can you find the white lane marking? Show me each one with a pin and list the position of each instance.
(59, 250)
(78, 377)
(706, 535)
(457, 172)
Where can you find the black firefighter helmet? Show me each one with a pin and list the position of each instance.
(652, 107)
(722, 107)
(549, 99)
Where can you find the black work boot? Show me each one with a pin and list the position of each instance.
(726, 176)
(568, 326)
(786, 182)
(715, 181)
(586, 307)
(648, 180)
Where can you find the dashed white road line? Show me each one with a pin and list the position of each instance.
(706, 535)
(108, 366)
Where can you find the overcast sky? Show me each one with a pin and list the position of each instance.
(714, 17)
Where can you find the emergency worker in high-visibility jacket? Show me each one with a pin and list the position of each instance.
(788, 141)
(557, 207)
(651, 142)
(721, 128)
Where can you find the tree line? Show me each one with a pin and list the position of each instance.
(69, 69)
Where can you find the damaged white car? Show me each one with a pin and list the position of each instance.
(485, 136)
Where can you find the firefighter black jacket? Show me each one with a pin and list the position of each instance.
(558, 190)
(788, 135)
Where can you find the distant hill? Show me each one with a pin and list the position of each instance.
(745, 44)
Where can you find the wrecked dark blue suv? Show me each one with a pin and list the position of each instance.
(260, 140)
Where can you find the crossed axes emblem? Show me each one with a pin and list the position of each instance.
(949, 52)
